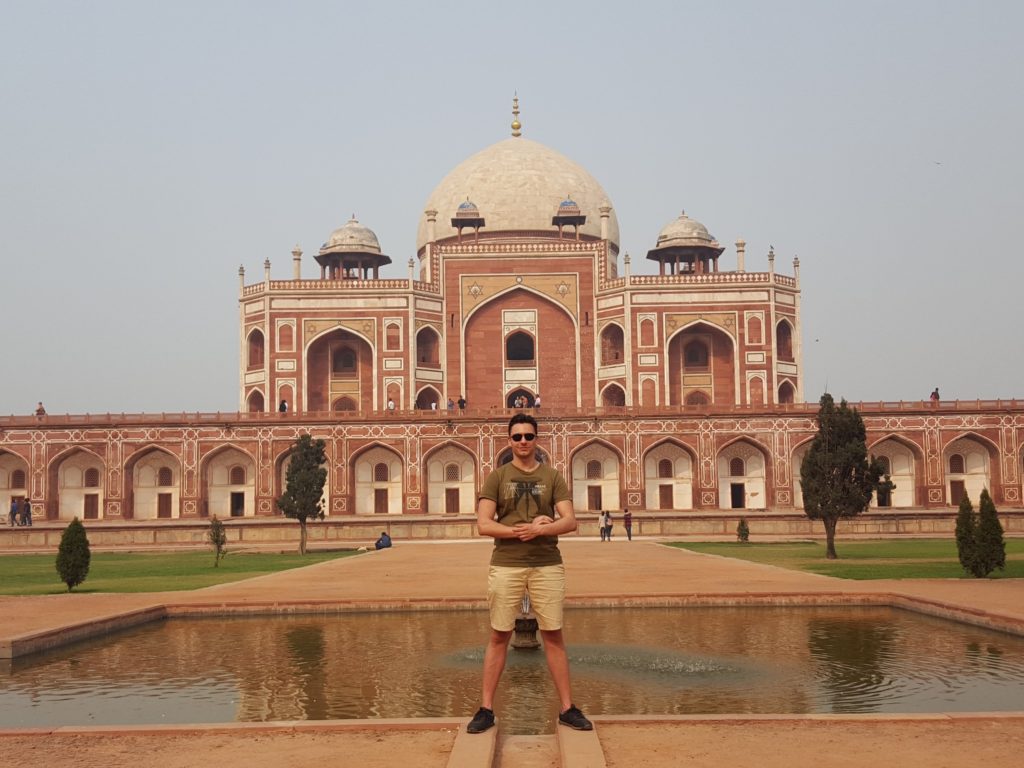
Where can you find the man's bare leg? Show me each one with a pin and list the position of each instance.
(558, 665)
(494, 664)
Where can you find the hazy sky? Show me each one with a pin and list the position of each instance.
(149, 148)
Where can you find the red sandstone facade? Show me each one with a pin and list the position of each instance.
(677, 391)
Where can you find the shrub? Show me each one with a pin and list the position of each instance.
(965, 534)
(743, 530)
(990, 548)
(218, 538)
(73, 555)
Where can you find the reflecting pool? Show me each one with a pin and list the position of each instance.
(427, 664)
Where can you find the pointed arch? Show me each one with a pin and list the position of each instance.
(428, 399)
(376, 491)
(487, 372)
(222, 493)
(978, 465)
(255, 349)
(905, 464)
(255, 402)
(450, 492)
(612, 344)
(14, 481)
(66, 488)
(428, 347)
(596, 493)
(749, 490)
(784, 341)
(787, 393)
(145, 496)
(702, 357)
(672, 489)
(613, 396)
(339, 361)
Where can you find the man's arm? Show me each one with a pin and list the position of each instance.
(486, 525)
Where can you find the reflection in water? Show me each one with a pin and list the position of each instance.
(851, 659)
(653, 661)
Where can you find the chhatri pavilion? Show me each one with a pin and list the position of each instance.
(676, 393)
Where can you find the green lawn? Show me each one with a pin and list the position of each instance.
(149, 572)
(882, 559)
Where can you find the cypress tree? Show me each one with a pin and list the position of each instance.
(989, 544)
(304, 484)
(73, 555)
(966, 526)
(837, 476)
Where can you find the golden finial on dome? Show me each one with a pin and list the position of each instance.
(516, 125)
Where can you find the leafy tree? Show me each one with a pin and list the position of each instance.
(966, 534)
(990, 548)
(837, 477)
(73, 555)
(218, 538)
(304, 484)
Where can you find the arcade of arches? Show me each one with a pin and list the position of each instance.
(434, 465)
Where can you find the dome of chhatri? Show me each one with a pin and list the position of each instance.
(517, 183)
(685, 232)
(353, 237)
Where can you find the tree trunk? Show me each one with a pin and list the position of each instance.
(302, 536)
(830, 538)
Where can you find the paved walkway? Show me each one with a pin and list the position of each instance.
(615, 573)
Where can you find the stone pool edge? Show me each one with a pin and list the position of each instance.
(56, 637)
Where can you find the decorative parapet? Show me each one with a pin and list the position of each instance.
(712, 278)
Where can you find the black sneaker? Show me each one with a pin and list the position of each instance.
(575, 719)
(482, 720)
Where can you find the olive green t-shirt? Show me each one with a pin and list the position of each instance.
(520, 497)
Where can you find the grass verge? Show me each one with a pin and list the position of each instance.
(148, 572)
(881, 559)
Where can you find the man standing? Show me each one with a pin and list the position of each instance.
(524, 505)
(627, 520)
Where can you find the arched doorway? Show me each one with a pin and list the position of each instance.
(339, 364)
(428, 399)
(595, 478)
(154, 491)
(701, 359)
(612, 345)
(668, 477)
(378, 482)
(967, 462)
(78, 478)
(450, 481)
(519, 395)
(14, 474)
(899, 464)
(229, 483)
(613, 396)
(741, 477)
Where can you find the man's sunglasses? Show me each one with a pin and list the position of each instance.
(519, 437)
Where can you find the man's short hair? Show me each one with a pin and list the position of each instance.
(523, 418)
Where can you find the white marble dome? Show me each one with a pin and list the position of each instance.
(518, 184)
(685, 231)
(353, 237)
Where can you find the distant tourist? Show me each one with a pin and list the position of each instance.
(15, 511)
(384, 542)
(627, 521)
(26, 513)
(536, 400)
(935, 396)
(606, 526)
(283, 407)
(391, 404)
(40, 411)
(462, 403)
(451, 404)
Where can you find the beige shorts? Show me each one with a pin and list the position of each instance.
(505, 589)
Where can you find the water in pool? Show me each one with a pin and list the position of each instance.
(427, 664)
